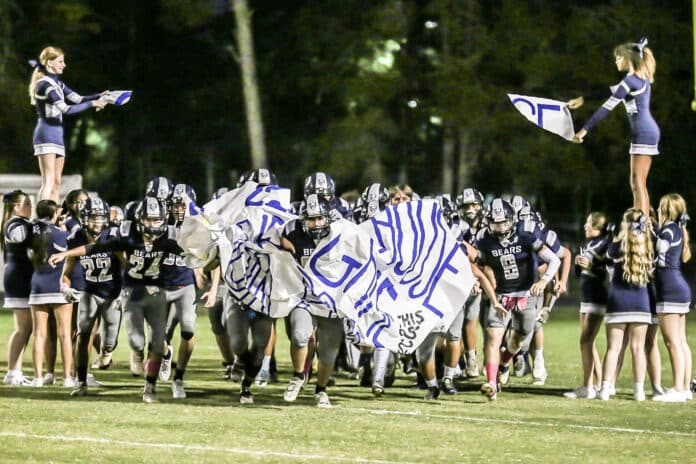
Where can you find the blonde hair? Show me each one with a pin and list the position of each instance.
(672, 206)
(47, 54)
(644, 66)
(404, 188)
(599, 220)
(636, 247)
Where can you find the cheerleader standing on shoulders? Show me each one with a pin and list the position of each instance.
(628, 306)
(673, 293)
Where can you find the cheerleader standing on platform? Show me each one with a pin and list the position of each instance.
(53, 99)
(637, 60)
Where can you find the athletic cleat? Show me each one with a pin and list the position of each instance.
(70, 382)
(521, 366)
(262, 378)
(432, 393)
(166, 365)
(294, 386)
(237, 372)
(448, 386)
(95, 364)
(390, 375)
(670, 396)
(323, 400)
(245, 397)
(49, 378)
(504, 374)
(149, 395)
(178, 391)
(105, 360)
(472, 367)
(490, 390)
(581, 393)
(92, 382)
(539, 373)
(365, 375)
(377, 388)
(137, 367)
(80, 389)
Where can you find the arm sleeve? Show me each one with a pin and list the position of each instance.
(619, 94)
(554, 263)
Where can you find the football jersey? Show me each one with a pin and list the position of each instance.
(304, 244)
(102, 269)
(513, 261)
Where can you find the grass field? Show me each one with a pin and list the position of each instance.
(526, 424)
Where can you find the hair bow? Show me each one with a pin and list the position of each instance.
(640, 45)
(683, 219)
(36, 64)
(638, 227)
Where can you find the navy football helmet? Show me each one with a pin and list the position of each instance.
(263, 177)
(116, 215)
(181, 196)
(95, 216)
(315, 214)
(518, 202)
(160, 188)
(501, 219)
(320, 184)
(470, 204)
(152, 218)
(374, 199)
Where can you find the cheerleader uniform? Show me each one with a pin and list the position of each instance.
(626, 303)
(592, 287)
(673, 294)
(45, 281)
(18, 268)
(53, 100)
(634, 93)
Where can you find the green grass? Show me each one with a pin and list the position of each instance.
(526, 424)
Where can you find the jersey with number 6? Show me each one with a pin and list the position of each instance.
(102, 270)
(143, 261)
(513, 261)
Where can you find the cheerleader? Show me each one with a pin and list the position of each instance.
(638, 62)
(591, 265)
(628, 304)
(16, 231)
(673, 293)
(46, 292)
(52, 99)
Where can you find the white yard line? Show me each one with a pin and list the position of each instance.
(205, 448)
(603, 428)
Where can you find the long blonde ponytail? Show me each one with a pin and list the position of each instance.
(47, 54)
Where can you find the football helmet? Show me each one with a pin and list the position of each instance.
(181, 196)
(116, 215)
(160, 188)
(470, 204)
(95, 216)
(518, 202)
(501, 219)
(315, 214)
(374, 199)
(321, 184)
(151, 218)
(263, 177)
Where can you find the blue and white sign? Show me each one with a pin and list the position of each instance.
(551, 115)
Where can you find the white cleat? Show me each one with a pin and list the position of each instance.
(92, 382)
(245, 397)
(137, 367)
(70, 382)
(166, 365)
(294, 387)
(539, 373)
(604, 394)
(104, 360)
(581, 393)
(262, 378)
(49, 378)
(37, 382)
(670, 396)
(323, 400)
(472, 367)
(149, 395)
(490, 390)
(178, 391)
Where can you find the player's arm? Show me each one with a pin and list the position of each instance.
(553, 264)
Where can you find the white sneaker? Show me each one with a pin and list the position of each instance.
(688, 395)
(149, 395)
(520, 366)
(262, 378)
(639, 395)
(504, 375)
(166, 366)
(16, 379)
(294, 387)
(245, 397)
(472, 367)
(539, 373)
(104, 360)
(136, 364)
(92, 382)
(582, 393)
(95, 363)
(70, 382)
(612, 390)
(37, 382)
(604, 394)
(323, 400)
(670, 396)
(49, 378)
(178, 391)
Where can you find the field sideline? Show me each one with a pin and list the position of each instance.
(526, 424)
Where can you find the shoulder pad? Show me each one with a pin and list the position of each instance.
(125, 228)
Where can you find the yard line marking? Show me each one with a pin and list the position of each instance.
(107, 441)
(603, 428)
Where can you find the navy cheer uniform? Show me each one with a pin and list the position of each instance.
(673, 293)
(18, 267)
(593, 287)
(45, 282)
(634, 93)
(77, 276)
(627, 303)
(53, 99)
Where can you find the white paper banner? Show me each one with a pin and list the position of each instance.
(551, 115)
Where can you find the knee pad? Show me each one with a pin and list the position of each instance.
(186, 335)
